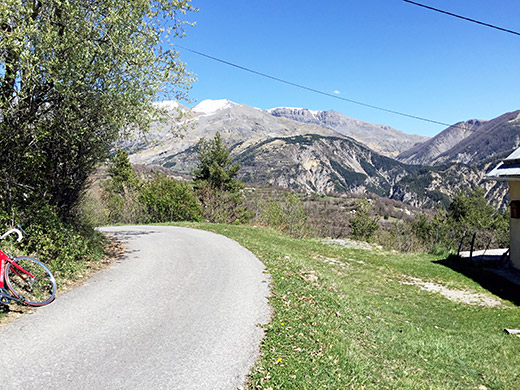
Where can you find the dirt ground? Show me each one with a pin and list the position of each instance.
(462, 296)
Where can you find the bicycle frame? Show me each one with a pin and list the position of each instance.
(4, 259)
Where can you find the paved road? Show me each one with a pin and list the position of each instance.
(180, 311)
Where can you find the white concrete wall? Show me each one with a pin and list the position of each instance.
(514, 194)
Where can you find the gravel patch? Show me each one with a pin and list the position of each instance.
(462, 296)
(345, 243)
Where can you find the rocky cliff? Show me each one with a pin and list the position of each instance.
(313, 163)
(380, 138)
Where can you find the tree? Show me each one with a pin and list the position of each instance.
(470, 213)
(74, 76)
(219, 189)
(216, 167)
(471, 209)
(362, 226)
(121, 173)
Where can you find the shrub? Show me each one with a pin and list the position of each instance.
(65, 246)
(362, 225)
(223, 206)
(286, 215)
(165, 200)
(121, 204)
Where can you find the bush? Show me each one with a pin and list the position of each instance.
(166, 200)
(286, 215)
(223, 206)
(362, 225)
(64, 246)
(120, 204)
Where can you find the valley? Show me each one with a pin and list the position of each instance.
(325, 152)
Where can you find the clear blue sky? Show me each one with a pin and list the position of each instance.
(385, 53)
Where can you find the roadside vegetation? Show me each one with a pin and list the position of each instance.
(391, 224)
(348, 318)
(215, 195)
(75, 77)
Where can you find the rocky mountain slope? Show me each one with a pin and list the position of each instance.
(314, 163)
(380, 138)
(468, 142)
(432, 185)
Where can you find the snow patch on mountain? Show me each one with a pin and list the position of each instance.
(209, 107)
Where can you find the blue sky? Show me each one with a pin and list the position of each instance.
(385, 53)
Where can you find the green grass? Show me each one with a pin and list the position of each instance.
(342, 319)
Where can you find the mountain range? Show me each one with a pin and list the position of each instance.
(380, 138)
(325, 151)
(467, 142)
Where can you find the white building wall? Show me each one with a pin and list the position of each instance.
(514, 194)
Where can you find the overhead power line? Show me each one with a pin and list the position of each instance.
(463, 17)
(314, 90)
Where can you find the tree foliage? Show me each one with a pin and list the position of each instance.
(218, 188)
(121, 172)
(166, 200)
(471, 209)
(362, 225)
(470, 214)
(73, 76)
(216, 167)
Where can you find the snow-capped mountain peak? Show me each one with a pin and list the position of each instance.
(208, 106)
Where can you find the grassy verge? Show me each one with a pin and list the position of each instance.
(362, 319)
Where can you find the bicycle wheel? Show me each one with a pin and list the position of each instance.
(35, 291)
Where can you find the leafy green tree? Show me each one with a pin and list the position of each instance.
(471, 209)
(121, 173)
(120, 195)
(219, 189)
(73, 76)
(216, 167)
(362, 225)
(470, 213)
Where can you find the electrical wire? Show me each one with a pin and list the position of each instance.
(463, 17)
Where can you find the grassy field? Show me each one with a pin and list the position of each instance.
(369, 319)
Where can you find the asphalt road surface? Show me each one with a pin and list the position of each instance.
(180, 311)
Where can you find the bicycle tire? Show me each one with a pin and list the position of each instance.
(37, 291)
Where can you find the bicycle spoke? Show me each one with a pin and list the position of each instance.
(31, 280)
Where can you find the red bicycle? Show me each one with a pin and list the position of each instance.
(28, 280)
